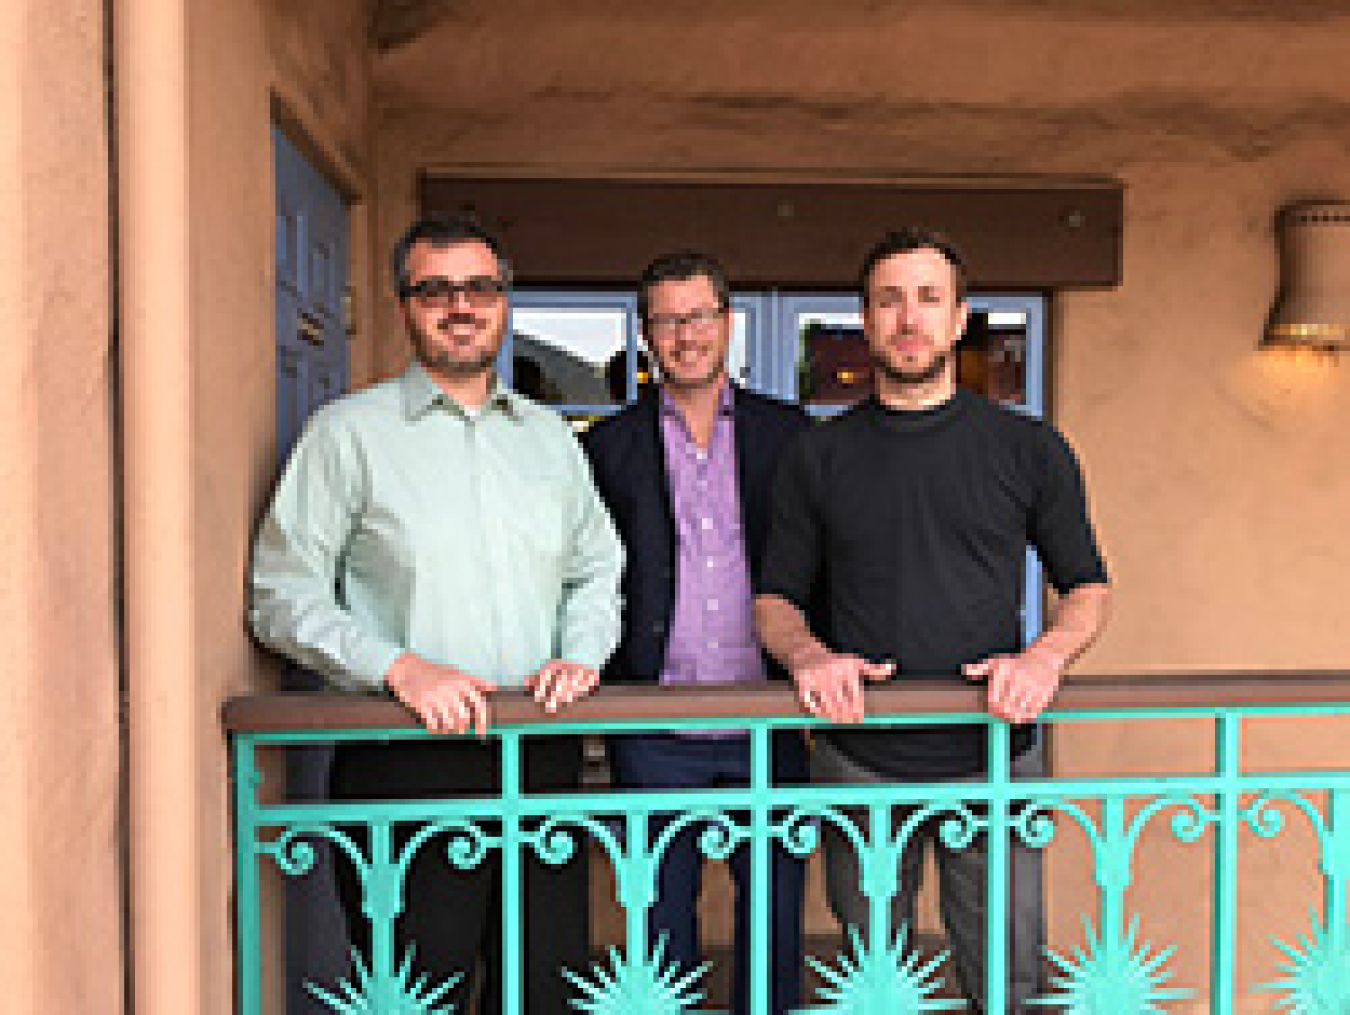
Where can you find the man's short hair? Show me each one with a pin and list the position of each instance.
(905, 239)
(680, 267)
(444, 231)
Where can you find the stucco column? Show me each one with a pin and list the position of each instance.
(60, 922)
(152, 105)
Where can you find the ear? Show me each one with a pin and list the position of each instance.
(405, 308)
(963, 313)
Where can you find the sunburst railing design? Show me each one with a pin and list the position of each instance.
(1316, 972)
(637, 983)
(879, 979)
(403, 993)
(1112, 973)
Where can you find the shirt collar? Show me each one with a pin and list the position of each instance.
(726, 403)
(421, 393)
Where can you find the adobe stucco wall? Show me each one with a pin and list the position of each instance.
(59, 693)
(200, 84)
(1218, 474)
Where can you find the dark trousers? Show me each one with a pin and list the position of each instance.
(662, 761)
(453, 918)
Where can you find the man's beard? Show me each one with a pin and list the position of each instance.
(441, 361)
(713, 373)
(912, 378)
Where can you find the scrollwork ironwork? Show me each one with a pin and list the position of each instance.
(467, 847)
(1188, 825)
(718, 841)
(1266, 822)
(799, 831)
(295, 858)
(1033, 824)
(555, 845)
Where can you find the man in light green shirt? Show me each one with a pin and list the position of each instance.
(408, 524)
(439, 536)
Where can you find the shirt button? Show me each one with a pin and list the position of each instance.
(705, 524)
(712, 645)
(712, 605)
(710, 562)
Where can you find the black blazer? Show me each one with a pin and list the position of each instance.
(628, 461)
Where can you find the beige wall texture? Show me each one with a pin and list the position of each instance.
(1217, 472)
(59, 766)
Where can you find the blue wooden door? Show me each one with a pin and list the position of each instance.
(311, 272)
(311, 369)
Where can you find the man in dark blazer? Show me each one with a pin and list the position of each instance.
(686, 473)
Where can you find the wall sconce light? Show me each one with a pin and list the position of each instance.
(1312, 310)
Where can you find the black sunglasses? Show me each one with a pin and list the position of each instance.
(443, 293)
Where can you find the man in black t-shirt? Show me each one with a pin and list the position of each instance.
(912, 513)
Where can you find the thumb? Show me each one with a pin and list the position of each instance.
(878, 671)
(976, 671)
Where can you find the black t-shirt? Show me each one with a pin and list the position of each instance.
(912, 527)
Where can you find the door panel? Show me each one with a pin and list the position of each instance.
(311, 252)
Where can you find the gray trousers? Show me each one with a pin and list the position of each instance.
(961, 883)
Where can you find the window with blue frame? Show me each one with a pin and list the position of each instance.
(582, 353)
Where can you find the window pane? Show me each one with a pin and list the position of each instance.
(993, 356)
(736, 365)
(833, 364)
(570, 355)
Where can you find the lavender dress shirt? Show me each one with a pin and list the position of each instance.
(712, 635)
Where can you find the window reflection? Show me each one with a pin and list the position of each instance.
(737, 368)
(992, 356)
(834, 367)
(618, 368)
(559, 355)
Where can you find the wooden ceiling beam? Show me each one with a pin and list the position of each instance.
(1036, 234)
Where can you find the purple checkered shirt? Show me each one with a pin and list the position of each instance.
(712, 634)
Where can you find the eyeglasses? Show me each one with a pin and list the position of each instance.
(701, 321)
(441, 293)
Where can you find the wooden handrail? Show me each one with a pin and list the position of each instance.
(619, 702)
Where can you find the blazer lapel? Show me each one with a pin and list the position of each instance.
(653, 475)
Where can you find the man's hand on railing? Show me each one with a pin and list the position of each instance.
(1020, 686)
(830, 684)
(559, 683)
(447, 700)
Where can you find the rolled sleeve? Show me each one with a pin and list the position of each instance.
(294, 605)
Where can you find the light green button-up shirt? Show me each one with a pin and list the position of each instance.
(404, 523)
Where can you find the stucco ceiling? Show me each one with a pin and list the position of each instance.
(477, 56)
(395, 23)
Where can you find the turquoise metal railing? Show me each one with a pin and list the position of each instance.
(1110, 971)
